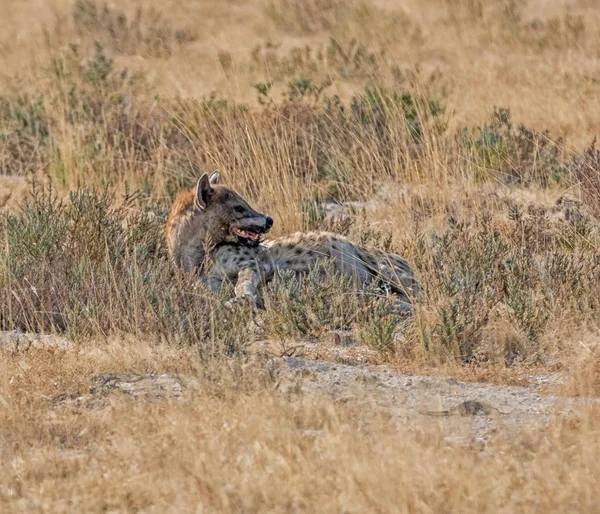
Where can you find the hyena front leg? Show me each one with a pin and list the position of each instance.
(246, 292)
(246, 288)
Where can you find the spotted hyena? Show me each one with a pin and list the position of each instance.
(213, 233)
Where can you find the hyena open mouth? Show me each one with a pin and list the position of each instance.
(247, 235)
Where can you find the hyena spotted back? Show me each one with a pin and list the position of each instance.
(213, 233)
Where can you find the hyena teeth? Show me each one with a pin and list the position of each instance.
(245, 233)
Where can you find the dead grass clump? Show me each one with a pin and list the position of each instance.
(95, 114)
(583, 369)
(561, 32)
(309, 142)
(344, 21)
(510, 25)
(585, 380)
(89, 126)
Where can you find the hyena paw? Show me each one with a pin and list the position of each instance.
(241, 300)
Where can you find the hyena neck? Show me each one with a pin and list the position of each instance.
(192, 247)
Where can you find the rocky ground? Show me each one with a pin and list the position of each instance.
(457, 406)
(465, 411)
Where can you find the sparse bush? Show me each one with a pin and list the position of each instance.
(146, 34)
(24, 135)
(520, 274)
(379, 328)
(351, 60)
(515, 155)
(558, 32)
(89, 265)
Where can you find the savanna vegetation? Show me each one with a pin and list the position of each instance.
(458, 133)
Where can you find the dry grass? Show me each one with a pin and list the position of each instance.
(233, 444)
(465, 130)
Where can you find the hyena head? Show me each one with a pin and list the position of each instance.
(227, 217)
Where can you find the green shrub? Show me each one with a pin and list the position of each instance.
(92, 265)
(515, 155)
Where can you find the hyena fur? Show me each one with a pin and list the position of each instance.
(214, 234)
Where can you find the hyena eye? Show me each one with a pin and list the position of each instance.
(239, 208)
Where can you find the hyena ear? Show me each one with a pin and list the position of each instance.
(203, 192)
(214, 178)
